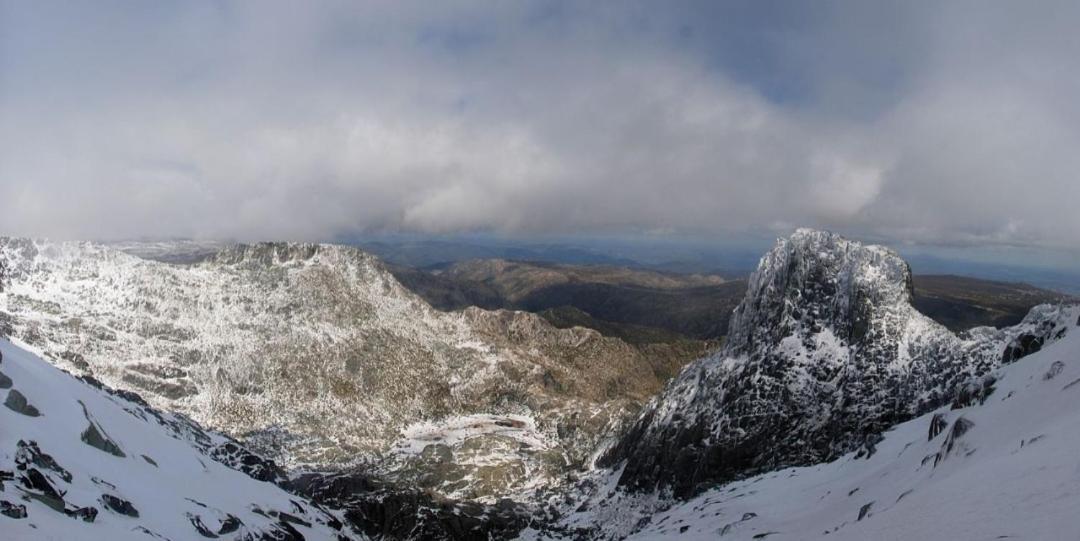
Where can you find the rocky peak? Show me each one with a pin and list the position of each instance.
(824, 353)
(817, 279)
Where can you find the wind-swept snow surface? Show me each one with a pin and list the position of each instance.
(79, 462)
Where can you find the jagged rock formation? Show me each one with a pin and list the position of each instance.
(1002, 468)
(317, 356)
(823, 354)
(54, 486)
(317, 351)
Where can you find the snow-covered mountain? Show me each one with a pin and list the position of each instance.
(318, 357)
(1002, 467)
(79, 461)
(823, 354)
(834, 406)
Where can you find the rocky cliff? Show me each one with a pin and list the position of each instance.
(823, 354)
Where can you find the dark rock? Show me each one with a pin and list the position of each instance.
(938, 424)
(87, 514)
(38, 485)
(28, 454)
(869, 446)
(5, 382)
(17, 402)
(960, 427)
(1055, 368)
(94, 438)
(292, 519)
(12, 510)
(1022, 346)
(864, 511)
(197, 523)
(974, 392)
(92, 381)
(237, 457)
(118, 505)
(229, 525)
(76, 359)
(102, 483)
(149, 460)
(683, 529)
(290, 533)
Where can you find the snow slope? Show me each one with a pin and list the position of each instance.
(92, 464)
(1004, 469)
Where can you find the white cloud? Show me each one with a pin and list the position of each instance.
(271, 121)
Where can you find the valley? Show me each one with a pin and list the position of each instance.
(640, 305)
(436, 404)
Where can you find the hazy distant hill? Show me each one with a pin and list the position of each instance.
(692, 306)
(960, 302)
(650, 306)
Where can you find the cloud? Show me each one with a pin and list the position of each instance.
(318, 120)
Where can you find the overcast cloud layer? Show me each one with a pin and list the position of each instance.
(922, 123)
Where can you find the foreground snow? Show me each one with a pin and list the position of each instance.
(1013, 474)
(170, 485)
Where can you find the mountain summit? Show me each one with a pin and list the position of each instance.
(824, 353)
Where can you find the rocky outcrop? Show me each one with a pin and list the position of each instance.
(16, 402)
(119, 505)
(824, 353)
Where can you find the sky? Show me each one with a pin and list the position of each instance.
(949, 125)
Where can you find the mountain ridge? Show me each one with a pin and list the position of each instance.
(823, 354)
(319, 357)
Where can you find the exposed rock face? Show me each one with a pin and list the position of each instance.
(317, 356)
(824, 352)
(119, 505)
(17, 402)
(395, 513)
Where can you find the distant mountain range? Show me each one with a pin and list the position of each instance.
(645, 305)
(389, 402)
